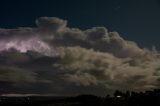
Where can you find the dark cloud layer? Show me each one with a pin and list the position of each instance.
(53, 58)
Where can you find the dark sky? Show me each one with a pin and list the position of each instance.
(55, 59)
(136, 20)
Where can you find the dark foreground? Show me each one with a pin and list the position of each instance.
(149, 98)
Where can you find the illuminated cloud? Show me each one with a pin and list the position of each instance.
(66, 60)
(89, 67)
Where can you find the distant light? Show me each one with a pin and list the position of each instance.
(118, 96)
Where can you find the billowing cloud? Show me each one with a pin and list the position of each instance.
(65, 60)
(51, 24)
(89, 67)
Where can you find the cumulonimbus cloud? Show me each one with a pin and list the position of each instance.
(81, 60)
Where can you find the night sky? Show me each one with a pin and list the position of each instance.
(136, 20)
(71, 47)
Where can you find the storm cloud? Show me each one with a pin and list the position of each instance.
(65, 61)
